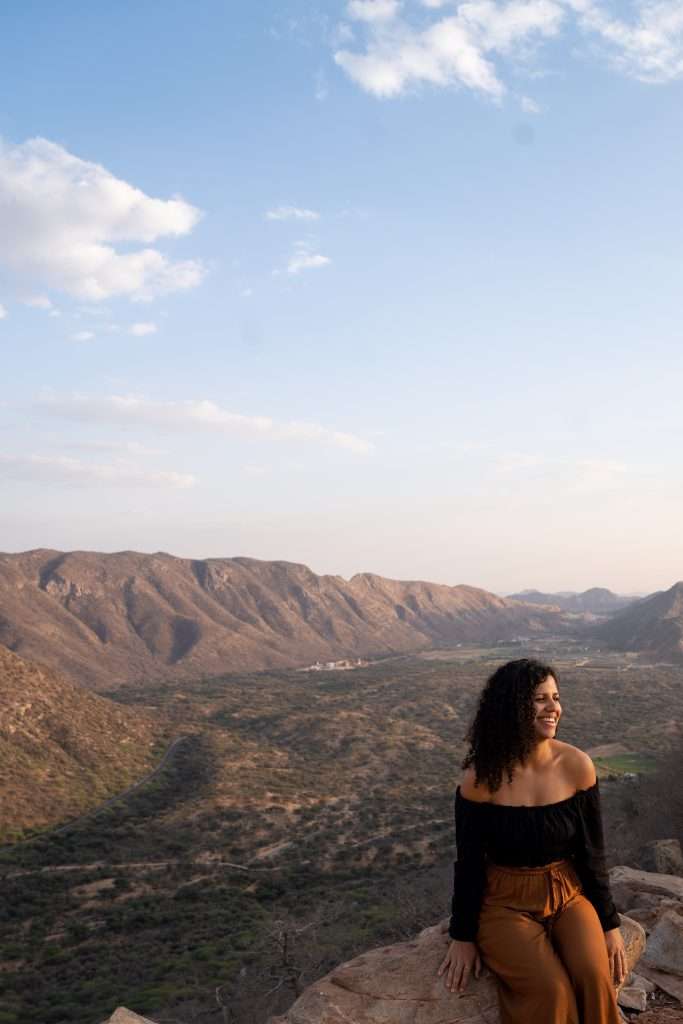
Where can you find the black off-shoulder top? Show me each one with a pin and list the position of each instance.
(528, 836)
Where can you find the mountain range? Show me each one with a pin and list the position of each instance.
(597, 600)
(111, 619)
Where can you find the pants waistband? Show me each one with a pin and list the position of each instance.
(510, 869)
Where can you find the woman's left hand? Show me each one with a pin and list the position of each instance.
(617, 955)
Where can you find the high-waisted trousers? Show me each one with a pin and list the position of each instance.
(543, 940)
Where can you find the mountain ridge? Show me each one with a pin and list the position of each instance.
(111, 618)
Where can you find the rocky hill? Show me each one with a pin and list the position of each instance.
(596, 601)
(109, 619)
(62, 750)
(653, 626)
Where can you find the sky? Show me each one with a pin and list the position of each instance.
(376, 286)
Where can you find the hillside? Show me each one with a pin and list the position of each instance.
(111, 619)
(595, 601)
(63, 750)
(653, 626)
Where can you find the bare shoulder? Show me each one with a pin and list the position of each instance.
(576, 764)
(469, 790)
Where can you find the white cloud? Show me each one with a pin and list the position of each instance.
(565, 474)
(304, 258)
(650, 48)
(453, 50)
(3, 312)
(83, 336)
(463, 47)
(530, 106)
(291, 213)
(63, 469)
(130, 447)
(195, 413)
(140, 330)
(373, 10)
(63, 218)
(38, 302)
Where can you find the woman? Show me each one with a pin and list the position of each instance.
(531, 891)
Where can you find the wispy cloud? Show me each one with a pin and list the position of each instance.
(83, 336)
(568, 475)
(65, 218)
(202, 414)
(141, 329)
(38, 302)
(373, 10)
(66, 470)
(3, 312)
(452, 50)
(305, 258)
(529, 106)
(291, 213)
(649, 47)
(465, 45)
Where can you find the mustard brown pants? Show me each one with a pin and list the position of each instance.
(543, 940)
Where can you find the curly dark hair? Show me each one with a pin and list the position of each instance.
(501, 734)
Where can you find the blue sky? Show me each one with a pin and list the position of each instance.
(369, 285)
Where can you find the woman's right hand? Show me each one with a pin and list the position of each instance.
(461, 959)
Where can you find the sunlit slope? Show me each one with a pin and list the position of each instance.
(653, 626)
(62, 749)
(108, 619)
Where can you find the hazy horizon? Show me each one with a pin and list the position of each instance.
(369, 285)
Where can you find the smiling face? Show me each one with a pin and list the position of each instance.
(547, 709)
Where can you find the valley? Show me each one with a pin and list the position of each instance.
(283, 825)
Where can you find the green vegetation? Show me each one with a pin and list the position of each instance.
(299, 806)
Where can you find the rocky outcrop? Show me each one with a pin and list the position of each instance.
(399, 984)
(663, 856)
(124, 1016)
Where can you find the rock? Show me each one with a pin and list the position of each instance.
(664, 949)
(640, 981)
(649, 916)
(626, 882)
(124, 1016)
(662, 855)
(399, 985)
(668, 983)
(632, 998)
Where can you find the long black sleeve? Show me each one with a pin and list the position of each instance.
(469, 871)
(589, 858)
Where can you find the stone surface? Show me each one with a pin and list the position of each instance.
(640, 981)
(629, 884)
(664, 949)
(663, 856)
(631, 997)
(668, 983)
(399, 985)
(124, 1016)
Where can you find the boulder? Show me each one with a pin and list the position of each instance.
(668, 983)
(631, 997)
(124, 1016)
(628, 884)
(664, 949)
(399, 984)
(663, 856)
(649, 916)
